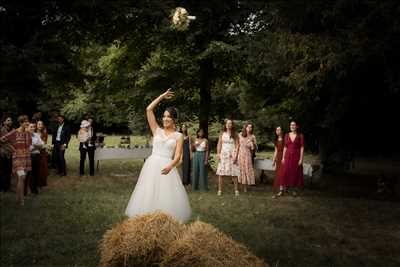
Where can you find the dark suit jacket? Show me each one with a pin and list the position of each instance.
(65, 135)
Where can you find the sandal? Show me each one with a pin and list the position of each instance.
(278, 194)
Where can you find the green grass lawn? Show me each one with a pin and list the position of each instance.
(63, 225)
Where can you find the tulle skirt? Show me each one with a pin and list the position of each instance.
(157, 192)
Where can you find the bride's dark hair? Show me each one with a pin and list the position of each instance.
(173, 112)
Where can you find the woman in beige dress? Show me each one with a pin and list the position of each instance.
(247, 142)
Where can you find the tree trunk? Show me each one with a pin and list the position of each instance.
(206, 78)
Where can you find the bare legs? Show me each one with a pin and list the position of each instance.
(20, 189)
(235, 184)
(219, 185)
(244, 187)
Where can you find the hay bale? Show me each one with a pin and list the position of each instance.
(139, 241)
(202, 245)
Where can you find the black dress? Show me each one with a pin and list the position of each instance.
(186, 162)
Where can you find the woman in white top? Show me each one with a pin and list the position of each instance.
(200, 162)
(227, 152)
(159, 187)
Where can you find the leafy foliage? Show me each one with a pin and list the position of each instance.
(333, 65)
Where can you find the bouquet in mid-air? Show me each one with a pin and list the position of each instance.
(181, 19)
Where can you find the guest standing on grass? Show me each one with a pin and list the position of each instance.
(247, 144)
(279, 182)
(200, 162)
(292, 161)
(227, 153)
(52, 127)
(60, 142)
(6, 152)
(21, 141)
(33, 176)
(186, 156)
(44, 157)
(87, 145)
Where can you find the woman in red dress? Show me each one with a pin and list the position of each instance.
(21, 141)
(279, 183)
(292, 160)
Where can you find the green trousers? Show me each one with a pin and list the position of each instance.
(199, 171)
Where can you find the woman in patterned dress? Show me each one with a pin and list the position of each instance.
(248, 143)
(227, 153)
(21, 141)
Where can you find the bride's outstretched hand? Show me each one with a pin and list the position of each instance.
(168, 94)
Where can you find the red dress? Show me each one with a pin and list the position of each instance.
(279, 181)
(292, 172)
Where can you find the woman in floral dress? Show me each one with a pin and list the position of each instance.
(248, 143)
(227, 153)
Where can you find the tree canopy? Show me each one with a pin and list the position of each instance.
(333, 66)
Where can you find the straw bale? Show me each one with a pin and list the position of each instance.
(139, 241)
(202, 245)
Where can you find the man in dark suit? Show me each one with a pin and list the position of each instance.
(60, 141)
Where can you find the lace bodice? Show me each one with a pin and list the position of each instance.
(164, 145)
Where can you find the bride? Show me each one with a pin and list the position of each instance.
(159, 187)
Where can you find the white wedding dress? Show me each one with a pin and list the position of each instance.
(155, 191)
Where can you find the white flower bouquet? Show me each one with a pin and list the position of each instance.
(181, 19)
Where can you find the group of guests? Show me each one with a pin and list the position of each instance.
(288, 160)
(24, 152)
(235, 154)
(23, 155)
(87, 145)
(194, 162)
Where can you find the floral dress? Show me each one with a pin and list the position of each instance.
(245, 160)
(226, 166)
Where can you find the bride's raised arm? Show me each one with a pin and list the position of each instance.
(151, 118)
